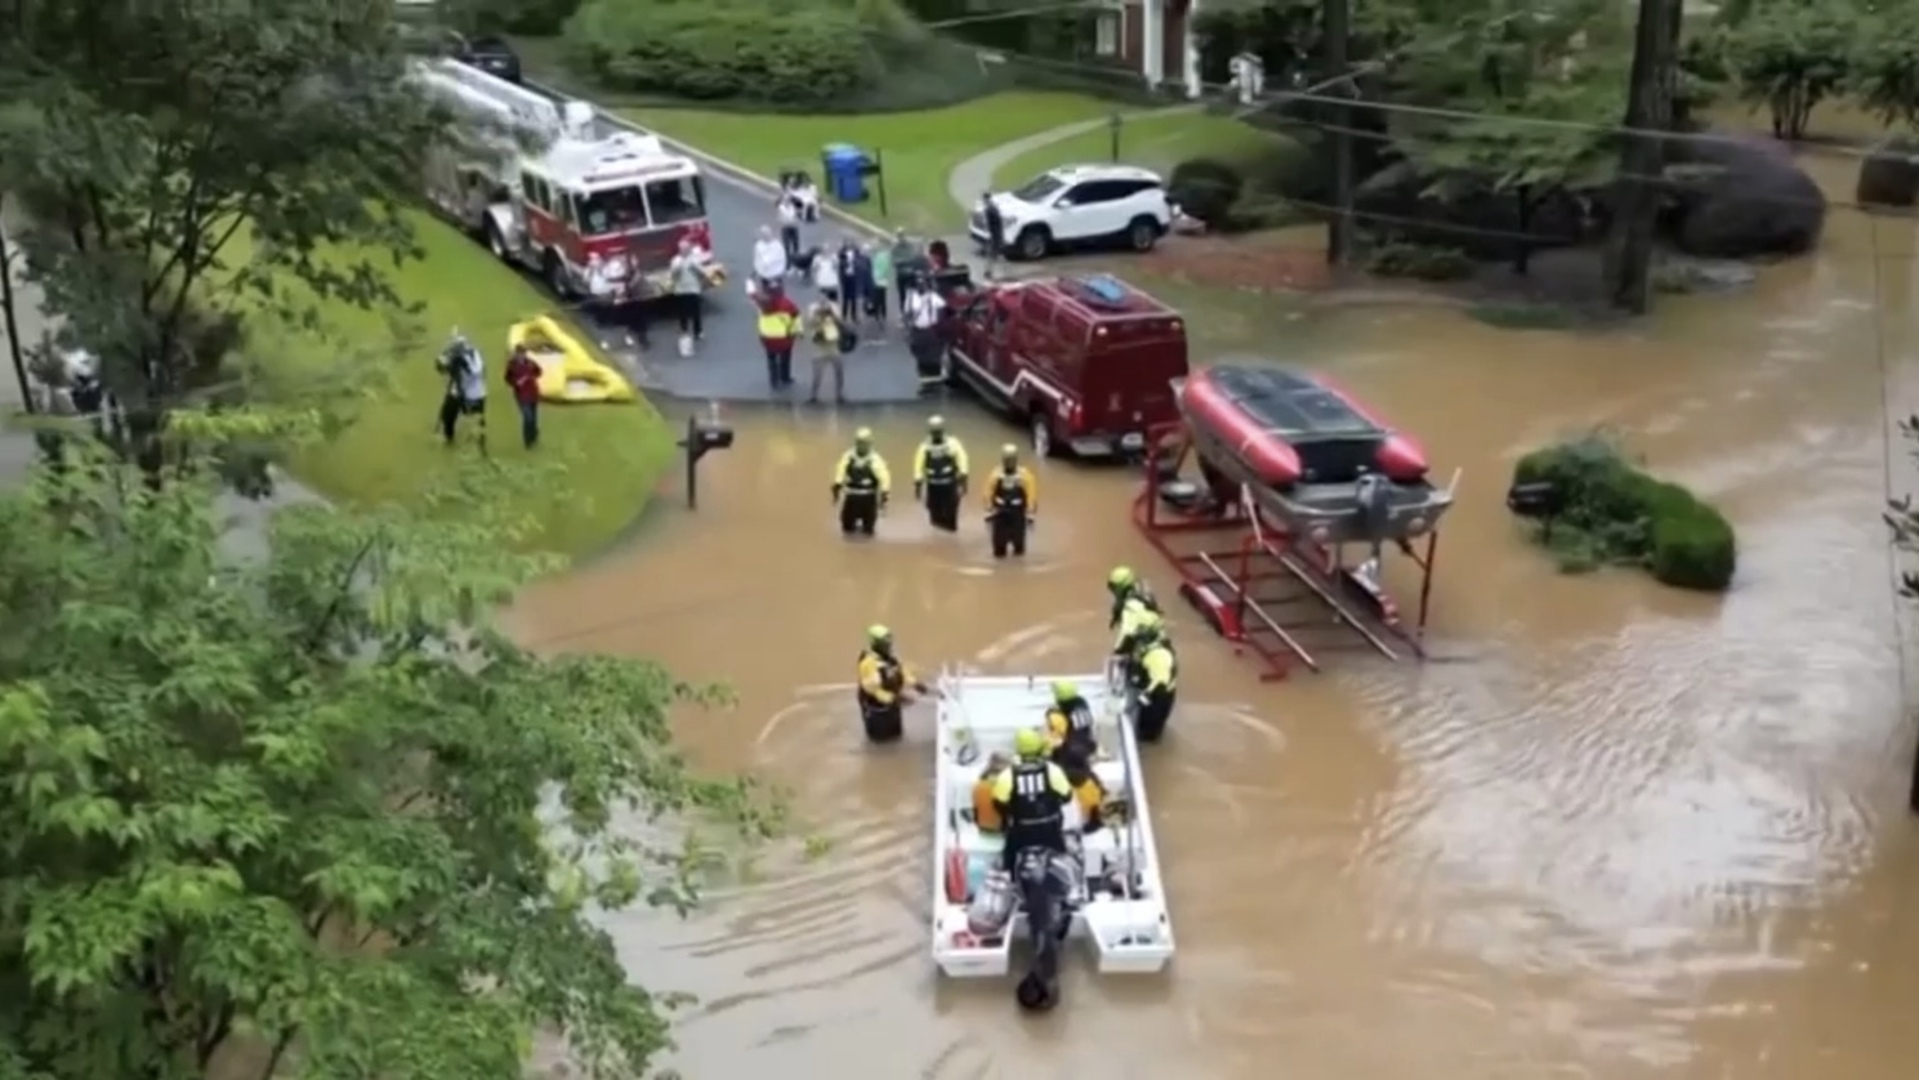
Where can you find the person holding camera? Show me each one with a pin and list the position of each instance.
(465, 372)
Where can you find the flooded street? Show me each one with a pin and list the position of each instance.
(1609, 831)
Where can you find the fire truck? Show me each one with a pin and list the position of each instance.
(597, 211)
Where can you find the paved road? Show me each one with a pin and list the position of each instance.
(729, 365)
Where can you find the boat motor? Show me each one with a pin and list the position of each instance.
(1045, 881)
(1373, 499)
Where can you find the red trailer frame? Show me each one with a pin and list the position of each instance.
(1231, 558)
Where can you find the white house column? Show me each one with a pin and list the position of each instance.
(1194, 87)
(1152, 40)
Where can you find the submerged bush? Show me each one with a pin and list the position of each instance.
(1419, 262)
(1612, 513)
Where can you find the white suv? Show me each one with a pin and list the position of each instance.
(1078, 205)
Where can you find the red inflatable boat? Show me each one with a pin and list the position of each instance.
(1281, 428)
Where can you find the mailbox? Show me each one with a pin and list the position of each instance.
(701, 436)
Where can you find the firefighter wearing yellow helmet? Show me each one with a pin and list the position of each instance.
(939, 476)
(1031, 798)
(883, 685)
(861, 485)
(1012, 504)
(1153, 677)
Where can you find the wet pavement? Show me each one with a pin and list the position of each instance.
(1609, 831)
(729, 364)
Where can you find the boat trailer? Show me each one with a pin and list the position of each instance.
(1262, 588)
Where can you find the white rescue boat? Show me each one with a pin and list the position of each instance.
(1115, 898)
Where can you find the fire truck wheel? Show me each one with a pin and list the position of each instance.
(495, 242)
(554, 273)
(1043, 444)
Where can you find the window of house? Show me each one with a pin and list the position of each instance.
(1106, 33)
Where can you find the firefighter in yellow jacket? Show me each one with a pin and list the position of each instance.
(883, 686)
(939, 476)
(1070, 732)
(861, 485)
(1032, 797)
(1012, 502)
(1156, 684)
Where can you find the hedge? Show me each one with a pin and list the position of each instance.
(1611, 512)
(758, 49)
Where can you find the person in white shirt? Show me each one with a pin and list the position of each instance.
(789, 210)
(687, 274)
(921, 309)
(808, 198)
(826, 275)
(769, 259)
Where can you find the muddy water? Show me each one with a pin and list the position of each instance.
(1611, 832)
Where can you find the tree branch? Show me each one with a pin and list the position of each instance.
(344, 590)
(280, 1047)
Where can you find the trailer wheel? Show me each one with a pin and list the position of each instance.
(496, 242)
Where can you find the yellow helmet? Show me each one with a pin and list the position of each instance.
(1065, 690)
(1009, 453)
(877, 634)
(936, 423)
(1029, 743)
(863, 435)
(1120, 578)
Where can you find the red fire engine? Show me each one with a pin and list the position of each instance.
(597, 211)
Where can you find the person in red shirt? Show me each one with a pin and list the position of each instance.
(523, 375)
(779, 328)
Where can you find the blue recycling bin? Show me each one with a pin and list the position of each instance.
(845, 167)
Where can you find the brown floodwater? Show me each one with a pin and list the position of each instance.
(1609, 831)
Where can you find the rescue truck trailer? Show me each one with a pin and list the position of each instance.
(1118, 901)
(1284, 586)
(597, 215)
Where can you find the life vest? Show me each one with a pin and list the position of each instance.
(892, 677)
(775, 325)
(942, 465)
(1009, 492)
(1079, 726)
(1033, 803)
(861, 479)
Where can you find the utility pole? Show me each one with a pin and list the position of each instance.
(1339, 232)
(1642, 156)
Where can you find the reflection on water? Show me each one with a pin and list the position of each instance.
(1628, 833)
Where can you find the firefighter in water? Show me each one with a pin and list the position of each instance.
(1155, 683)
(883, 683)
(1130, 594)
(1031, 799)
(1069, 729)
(939, 475)
(861, 485)
(1012, 502)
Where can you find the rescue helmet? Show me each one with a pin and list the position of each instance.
(1148, 626)
(936, 424)
(1009, 454)
(1028, 743)
(878, 635)
(1122, 577)
(1065, 690)
(863, 439)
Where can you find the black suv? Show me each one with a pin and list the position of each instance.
(491, 55)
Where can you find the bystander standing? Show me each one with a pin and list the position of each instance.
(523, 377)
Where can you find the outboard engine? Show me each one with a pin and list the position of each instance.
(1045, 882)
(1373, 496)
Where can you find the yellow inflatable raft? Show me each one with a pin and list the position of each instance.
(568, 371)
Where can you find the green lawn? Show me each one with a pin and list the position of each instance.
(919, 149)
(614, 454)
(1156, 142)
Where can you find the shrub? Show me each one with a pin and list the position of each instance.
(1419, 262)
(752, 49)
(1205, 189)
(1611, 512)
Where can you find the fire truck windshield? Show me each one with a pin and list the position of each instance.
(640, 206)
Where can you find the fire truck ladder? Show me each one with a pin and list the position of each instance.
(1266, 589)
